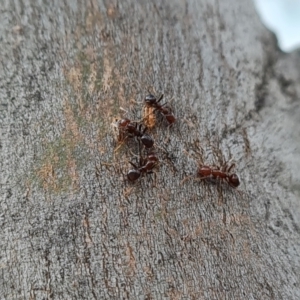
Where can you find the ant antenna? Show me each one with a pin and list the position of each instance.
(140, 153)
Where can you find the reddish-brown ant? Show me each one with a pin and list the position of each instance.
(215, 172)
(133, 129)
(145, 167)
(151, 101)
(207, 172)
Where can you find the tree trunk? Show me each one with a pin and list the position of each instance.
(73, 227)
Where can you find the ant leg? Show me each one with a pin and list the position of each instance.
(189, 177)
(223, 168)
(170, 158)
(229, 164)
(134, 165)
(202, 178)
(121, 143)
(154, 179)
(134, 155)
(164, 104)
(160, 98)
(151, 172)
(138, 129)
(192, 156)
(186, 178)
(200, 150)
(215, 167)
(124, 175)
(141, 160)
(229, 168)
(156, 109)
(146, 128)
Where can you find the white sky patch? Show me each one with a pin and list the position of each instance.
(283, 18)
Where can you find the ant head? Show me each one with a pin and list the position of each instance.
(150, 99)
(123, 122)
(147, 141)
(234, 180)
(133, 175)
(131, 127)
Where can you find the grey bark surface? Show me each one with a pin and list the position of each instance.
(72, 227)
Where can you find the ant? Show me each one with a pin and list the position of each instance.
(215, 172)
(145, 167)
(132, 128)
(149, 116)
(207, 172)
(151, 101)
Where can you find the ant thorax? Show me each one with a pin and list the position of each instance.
(149, 116)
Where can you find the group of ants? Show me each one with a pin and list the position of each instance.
(130, 129)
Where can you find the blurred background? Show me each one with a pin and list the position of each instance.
(283, 18)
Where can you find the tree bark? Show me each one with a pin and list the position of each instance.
(73, 227)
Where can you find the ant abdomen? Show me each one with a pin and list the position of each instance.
(147, 141)
(234, 180)
(133, 175)
(145, 167)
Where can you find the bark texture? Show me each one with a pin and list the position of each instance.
(72, 227)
